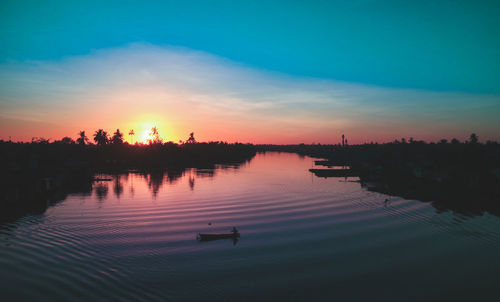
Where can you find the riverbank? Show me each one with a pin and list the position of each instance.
(464, 177)
(35, 175)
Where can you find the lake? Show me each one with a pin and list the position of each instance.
(303, 238)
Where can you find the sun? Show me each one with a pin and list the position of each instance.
(144, 130)
(150, 134)
(146, 136)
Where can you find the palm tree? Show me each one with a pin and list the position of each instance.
(474, 138)
(82, 139)
(131, 134)
(155, 136)
(101, 137)
(117, 137)
(191, 139)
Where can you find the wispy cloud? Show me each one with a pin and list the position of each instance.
(219, 99)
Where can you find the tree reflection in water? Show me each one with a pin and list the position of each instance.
(155, 180)
(118, 184)
(101, 190)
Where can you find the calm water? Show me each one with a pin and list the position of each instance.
(302, 238)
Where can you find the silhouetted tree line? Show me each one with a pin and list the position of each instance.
(113, 152)
(32, 172)
(461, 176)
(458, 172)
(457, 175)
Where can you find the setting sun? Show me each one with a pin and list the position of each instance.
(143, 131)
(146, 136)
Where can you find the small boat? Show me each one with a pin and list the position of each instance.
(102, 179)
(332, 172)
(209, 237)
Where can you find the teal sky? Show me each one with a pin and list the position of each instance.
(410, 48)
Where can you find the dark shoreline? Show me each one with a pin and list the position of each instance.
(462, 177)
(36, 175)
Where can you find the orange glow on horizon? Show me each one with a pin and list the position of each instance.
(177, 123)
(143, 130)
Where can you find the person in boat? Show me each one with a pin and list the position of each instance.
(235, 231)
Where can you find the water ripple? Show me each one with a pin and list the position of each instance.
(296, 233)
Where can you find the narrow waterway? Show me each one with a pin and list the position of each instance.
(302, 238)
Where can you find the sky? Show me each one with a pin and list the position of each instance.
(251, 71)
